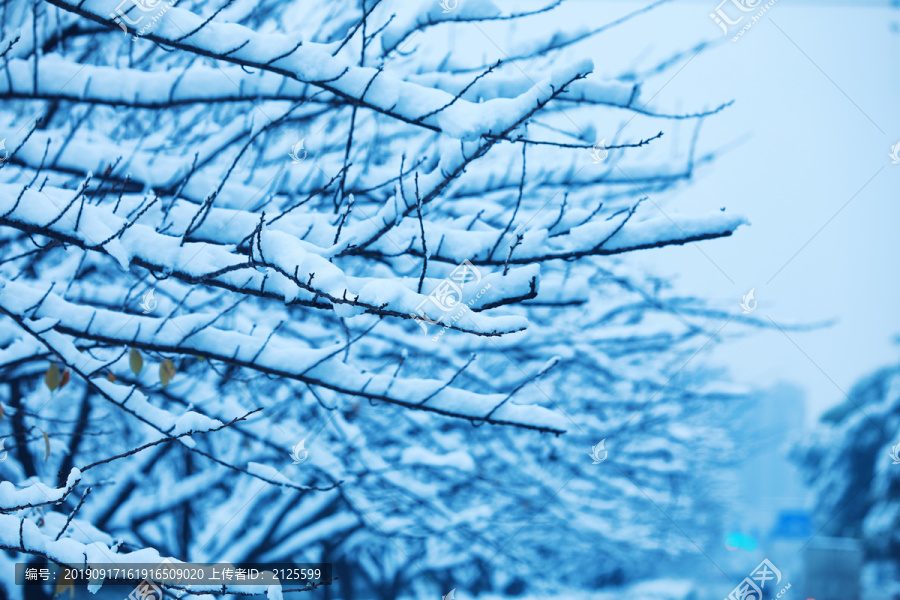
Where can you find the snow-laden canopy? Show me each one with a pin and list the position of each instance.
(291, 281)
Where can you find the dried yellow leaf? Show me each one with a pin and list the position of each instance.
(51, 378)
(135, 361)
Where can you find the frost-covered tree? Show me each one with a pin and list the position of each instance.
(286, 280)
(853, 463)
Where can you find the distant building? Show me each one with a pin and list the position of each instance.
(772, 505)
(832, 569)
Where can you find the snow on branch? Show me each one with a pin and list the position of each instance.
(122, 86)
(293, 265)
(36, 494)
(311, 63)
(270, 355)
(256, 250)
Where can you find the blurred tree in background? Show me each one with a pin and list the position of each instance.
(853, 463)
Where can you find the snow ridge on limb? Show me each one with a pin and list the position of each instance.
(123, 86)
(36, 494)
(292, 267)
(270, 355)
(617, 235)
(312, 63)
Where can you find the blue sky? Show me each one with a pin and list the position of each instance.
(815, 88)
